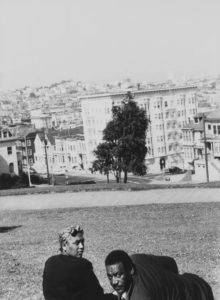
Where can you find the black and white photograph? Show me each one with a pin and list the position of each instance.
(109, 150)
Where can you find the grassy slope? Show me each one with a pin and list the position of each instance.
(188, 232)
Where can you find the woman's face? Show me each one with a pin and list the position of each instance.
(74, 245)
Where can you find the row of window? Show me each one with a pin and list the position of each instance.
(188, 153)
(174, 114)
(97, 110)
(159, 127)
(216, 128)
(89, 122)
(5, 134)
(188, 136)
(158, 104)
(161, 150)
(160, 138)
(217, 149)
(175, 147)
(19, 143)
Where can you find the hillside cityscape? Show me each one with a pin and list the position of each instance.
(55, 129)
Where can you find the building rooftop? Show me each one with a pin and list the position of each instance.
(214, 115)
(137, 92)
(194, 126)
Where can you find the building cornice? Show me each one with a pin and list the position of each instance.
(141, 92)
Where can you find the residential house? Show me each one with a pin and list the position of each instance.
(44, 145)
(59, 151)
(8, 154)
(205, 130)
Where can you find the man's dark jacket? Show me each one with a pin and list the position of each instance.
(166, 262)
(70, 278)
(152, 281)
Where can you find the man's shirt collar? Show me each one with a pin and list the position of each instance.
(125, 295)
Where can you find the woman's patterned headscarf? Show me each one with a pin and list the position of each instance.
(67, 232)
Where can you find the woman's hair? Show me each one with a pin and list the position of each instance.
(119, 256)
(67, 232)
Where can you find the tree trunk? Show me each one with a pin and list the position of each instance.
(120, 176)
(117, 176)
(125, 176)
(107, 177)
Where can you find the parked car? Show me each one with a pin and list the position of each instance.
(59, 170)
(38, 179)
(174, 170)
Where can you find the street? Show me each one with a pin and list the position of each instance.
(109, 198)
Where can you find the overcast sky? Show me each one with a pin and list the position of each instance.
(44, 41)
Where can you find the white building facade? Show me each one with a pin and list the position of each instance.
(8, 153)
(168, 111)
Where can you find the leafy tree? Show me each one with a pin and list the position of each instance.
(104, 160)
(125, 136)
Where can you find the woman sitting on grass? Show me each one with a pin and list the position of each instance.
(68, 276)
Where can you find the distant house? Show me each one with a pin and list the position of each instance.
(8, 154)
(44, 149)
(42, 121)
(194, 145)
(63, 150)
(30, 147)
(70, 152)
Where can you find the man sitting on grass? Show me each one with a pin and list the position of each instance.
(141, 277)
(68, 276)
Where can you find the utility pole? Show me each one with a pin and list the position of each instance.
(27, 162)
(46, 158)
(206, 157)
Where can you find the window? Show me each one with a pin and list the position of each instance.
(165, 103)
(218, 129)
(209, 127)
(214, 129)
(29, 152)
(5, 134)
(9, 149)
(28, 142)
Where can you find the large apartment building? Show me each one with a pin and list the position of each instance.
(168, 111)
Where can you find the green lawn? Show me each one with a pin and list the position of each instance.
(188, 232)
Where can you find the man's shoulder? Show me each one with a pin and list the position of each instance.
(165, 262)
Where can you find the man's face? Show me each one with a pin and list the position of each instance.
(120, 278)
(74, 245)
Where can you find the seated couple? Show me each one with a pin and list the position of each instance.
(68, 276)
